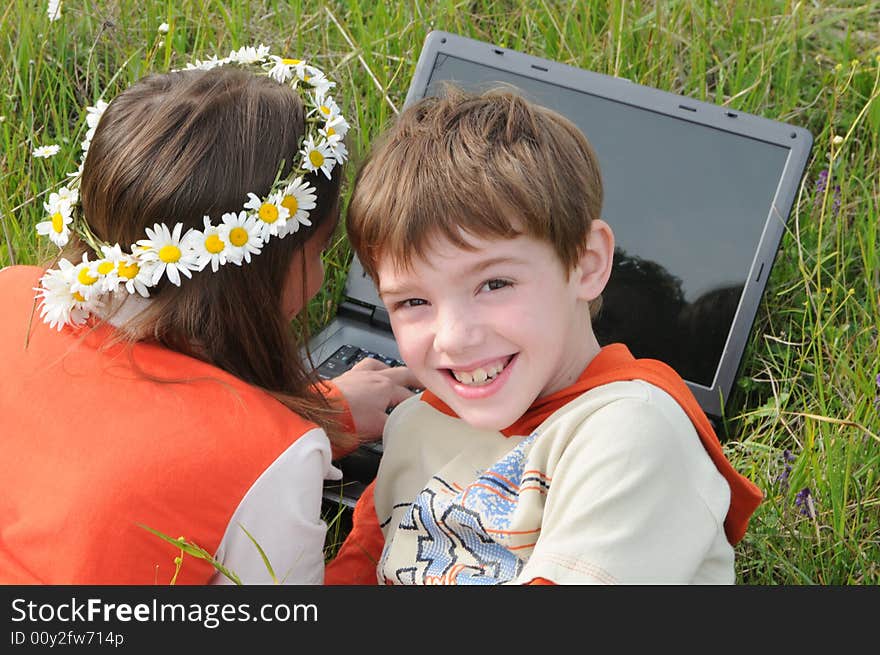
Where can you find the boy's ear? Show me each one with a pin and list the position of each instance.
(594, 266)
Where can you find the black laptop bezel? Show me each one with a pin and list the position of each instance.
(798, 141)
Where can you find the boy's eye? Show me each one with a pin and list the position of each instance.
(410, 302)
(494, 285)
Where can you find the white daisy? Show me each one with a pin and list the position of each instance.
(86, 280)
(212, 62)
(60, 304)
(210, 247)
(336, 126)
(298, 197)
(163, 28)
(241, 233)
(108, 267)
(46, 152)
(316, 79)
(66, 195)
(324, 106)
(93, 114)
(135, 274)
(282, 69)
(270, 212)
(57, 227)
(93, 117)
(249, 54)
(337, 148)
(53, 10)
(171, 254)
(317, 156)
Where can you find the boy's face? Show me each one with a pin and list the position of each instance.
(490, 330)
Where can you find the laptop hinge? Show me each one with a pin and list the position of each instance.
(380, 318)
(355, 310)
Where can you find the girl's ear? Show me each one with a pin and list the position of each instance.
(594, 267)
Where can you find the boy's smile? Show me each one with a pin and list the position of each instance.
(490, 328)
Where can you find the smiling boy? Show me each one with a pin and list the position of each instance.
(535, 455)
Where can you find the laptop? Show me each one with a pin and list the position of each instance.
(698, 196)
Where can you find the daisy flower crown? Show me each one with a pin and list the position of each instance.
(71, 292)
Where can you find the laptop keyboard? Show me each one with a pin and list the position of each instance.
(346, 357)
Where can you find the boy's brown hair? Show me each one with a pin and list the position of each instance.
(493, 165)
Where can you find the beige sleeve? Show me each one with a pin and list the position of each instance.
(634, 498)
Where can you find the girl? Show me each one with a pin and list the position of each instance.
(163, 388)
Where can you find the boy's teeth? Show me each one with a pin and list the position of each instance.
(479, 376)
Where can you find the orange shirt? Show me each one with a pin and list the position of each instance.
(92, 448)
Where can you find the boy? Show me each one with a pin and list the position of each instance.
(534, 455)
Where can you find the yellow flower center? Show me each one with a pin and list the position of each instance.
(85, 278)
(316, 158)
(105, 267)
(290, 62)
(58, 222)
(169, 254)
(268, 212)
(214, 244)
(330, 131)
(238, 236)
(78, 296)
(128, 271)
(324, 110)
(291, 204)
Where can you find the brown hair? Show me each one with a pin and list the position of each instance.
(493, 165)
(175, 147)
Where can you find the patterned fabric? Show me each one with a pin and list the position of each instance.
(612, 485)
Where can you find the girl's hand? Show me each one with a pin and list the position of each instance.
(371, 389)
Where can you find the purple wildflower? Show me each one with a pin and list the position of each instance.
(804, 502)
(819, 194)
(821, 183)
(782, 478)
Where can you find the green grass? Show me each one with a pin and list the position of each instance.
(808, 383)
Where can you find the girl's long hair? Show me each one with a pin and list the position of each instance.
(175, 147)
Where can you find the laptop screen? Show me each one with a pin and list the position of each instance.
(688, 203)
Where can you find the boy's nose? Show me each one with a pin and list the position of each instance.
(456, 333)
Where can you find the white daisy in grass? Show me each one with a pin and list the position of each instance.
(271, 214)
(298, 198)
(317, 156)
(172, 254)
(210, 247)
(53, 10)
(45, 152)
(249, 54)
(336, 126)
(60, 304)
(241, 233)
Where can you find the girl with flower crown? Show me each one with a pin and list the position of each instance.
(163, 388)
